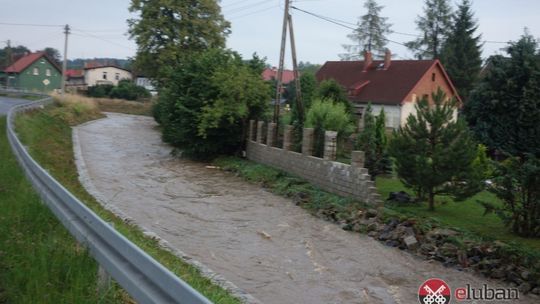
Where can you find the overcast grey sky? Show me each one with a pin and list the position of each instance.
(99, 26)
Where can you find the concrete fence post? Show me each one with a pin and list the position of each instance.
(260, 125)
(251, 132)
(330, 145)
(307, 141)
(357, 159)
(287, 137)
(271, 134)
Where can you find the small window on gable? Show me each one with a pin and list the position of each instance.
(35, 71)
(105, 75)
(433, 76)
(117, 76)
(425, 96)
(48, 72)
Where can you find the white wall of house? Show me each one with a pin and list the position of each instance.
(105, 75)
(392, 113)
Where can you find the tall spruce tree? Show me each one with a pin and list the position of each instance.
(435, 155)
(434, 27)
(167, 32)
(504, 109)
(462, 50)
(370, 34)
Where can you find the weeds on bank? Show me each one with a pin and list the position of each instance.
(40, 262)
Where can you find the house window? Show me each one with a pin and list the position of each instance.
(35, 71)
(48, 72)
(425, 96)
(433, 76)
(105, 75)
(117, 76)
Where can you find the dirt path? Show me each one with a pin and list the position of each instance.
(259, 241)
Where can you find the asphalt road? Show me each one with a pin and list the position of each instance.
(7, 103)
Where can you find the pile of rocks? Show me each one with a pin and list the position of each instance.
(448, 246)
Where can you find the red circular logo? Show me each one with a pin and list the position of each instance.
(434, 291)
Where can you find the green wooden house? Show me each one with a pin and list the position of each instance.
(33, 72)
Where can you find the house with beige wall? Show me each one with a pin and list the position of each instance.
(395, 85)
(105, 74)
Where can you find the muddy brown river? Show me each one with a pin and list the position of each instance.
(259, 241)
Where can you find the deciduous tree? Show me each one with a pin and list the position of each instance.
(205, 108)
(167, 32)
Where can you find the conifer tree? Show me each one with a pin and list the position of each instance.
(373, 142)
(434, 27)
(435, 155)
(462, 50)
(504, 109)
(370, 34)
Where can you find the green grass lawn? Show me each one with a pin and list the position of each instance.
(467, 215)
(47, 134)
(40, 262)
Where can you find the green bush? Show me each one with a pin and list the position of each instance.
(126, 89)
(331, 89)
(206, 106)
(517, 184)
(326, 115)
(100, 91)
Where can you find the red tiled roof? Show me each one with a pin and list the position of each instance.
(23, 62)
(379, 86)
(74, 73)
(269, 74)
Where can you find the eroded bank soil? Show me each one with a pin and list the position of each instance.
(261, 242)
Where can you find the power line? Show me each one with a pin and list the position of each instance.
(346, 26)
(84, 33)
(245, 7)
(254, 12)
(341, 23)
(32, 24)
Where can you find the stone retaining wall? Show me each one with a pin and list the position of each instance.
(342, 179)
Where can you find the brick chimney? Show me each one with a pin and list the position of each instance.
(387, 59)
(368, 60)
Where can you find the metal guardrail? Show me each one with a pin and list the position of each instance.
(146, 280)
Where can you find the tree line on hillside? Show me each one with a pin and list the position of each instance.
(208, 93)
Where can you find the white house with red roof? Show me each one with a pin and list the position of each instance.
(395, 85)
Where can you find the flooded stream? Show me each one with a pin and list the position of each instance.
(261, 242)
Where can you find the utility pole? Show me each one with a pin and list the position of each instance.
(64, 64)
(9, 54)
(299, 103)
(281, 62)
